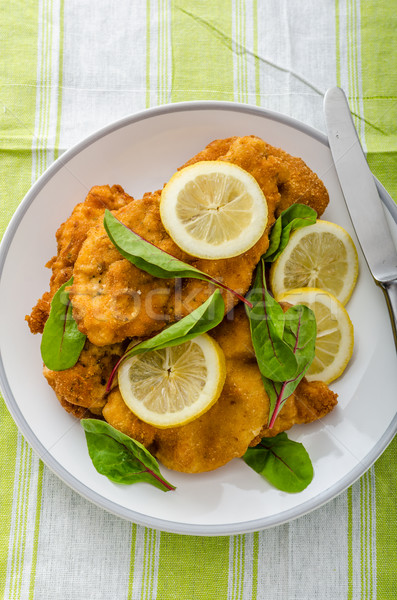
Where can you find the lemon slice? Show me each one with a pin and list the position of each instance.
(213, 209)
(321, 255)
(335, 336)
(172, 386)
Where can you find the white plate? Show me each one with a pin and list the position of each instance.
(140, 153)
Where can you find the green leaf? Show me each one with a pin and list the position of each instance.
(294, 217)
(276, 359)
(283, 462)
(153, 260)
(121, 458)
(62, 342)
(300, 334)
(145, 255)
(284, 342)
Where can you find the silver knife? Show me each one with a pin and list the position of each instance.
(362, 198)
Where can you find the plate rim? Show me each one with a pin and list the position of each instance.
(69, 479)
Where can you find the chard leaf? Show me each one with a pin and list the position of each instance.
(283, 462)
(276, 359)
(294, 217)
(207, 316)
(150, 258)
(144, 254)
(121, 458)
(62, 342)
(284, 342)
(300, 334)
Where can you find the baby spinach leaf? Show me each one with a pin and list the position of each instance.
(294, 217)
(283, 462)
(121, 458)
(207, 316)
(150, 258)
(62, 342)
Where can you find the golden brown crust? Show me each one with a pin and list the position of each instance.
(70, 237)
(84, 384)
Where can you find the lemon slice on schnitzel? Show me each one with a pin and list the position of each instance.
(321, 255)
(335, 335)
(213, 209)
(172, 386)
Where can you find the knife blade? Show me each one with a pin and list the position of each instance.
(361, 197)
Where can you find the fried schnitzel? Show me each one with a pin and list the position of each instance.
(70, 237)
(113, 300)
(82, 388)
(236, 421)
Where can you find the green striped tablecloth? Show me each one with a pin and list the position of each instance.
(68, 67)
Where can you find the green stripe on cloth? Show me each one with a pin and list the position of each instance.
(16, 125)
(350, 544)
(36, 531)
(28, 147)
(379, 81)
(386, 519)
(16, 105)
(193, 567)
(202, 50)
(8, 440)
(380, 89)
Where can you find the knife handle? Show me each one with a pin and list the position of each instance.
(390, 290)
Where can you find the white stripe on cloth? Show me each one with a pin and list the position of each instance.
(83, 551)
(293, 78)
(145, 564)
(160, 56)
(44, 139)
(241, 565)
(244, 59)
(318, 552)
(104, 74)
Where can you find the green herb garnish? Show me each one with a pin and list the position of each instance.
(284, 343)
(207, 316)
(150, 258)
(283, 462)
(62, 342)
(294, 217)
(120, 458)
